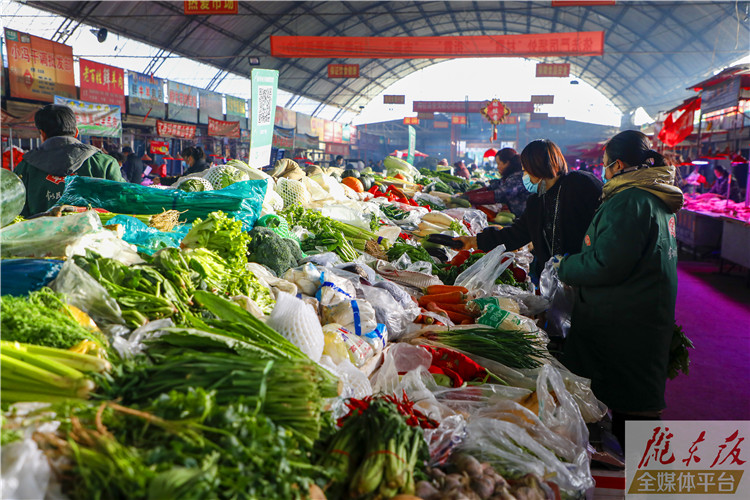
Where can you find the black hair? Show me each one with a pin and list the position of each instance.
(56, 120)
(194, 152)
(542, 158)
(633, 148)
(509, 155)
(119, 157)
(339, 157)
(723, 171)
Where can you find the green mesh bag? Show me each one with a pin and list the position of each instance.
(279, 226)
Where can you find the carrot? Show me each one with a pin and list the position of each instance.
(431, 306)
(440, 289)
(459, 308)
(467, 322)
(443, 298)
(458, 317)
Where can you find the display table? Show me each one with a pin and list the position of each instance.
(735, 243)
(699, 231)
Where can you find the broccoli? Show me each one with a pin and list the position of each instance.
(268, 248)
(294, 248)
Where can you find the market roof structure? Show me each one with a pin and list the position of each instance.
(651, 50)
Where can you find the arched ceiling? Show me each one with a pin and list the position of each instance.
(653, 50)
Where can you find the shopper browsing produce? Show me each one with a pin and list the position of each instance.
(509, 189)
(43, 170)
(557, 213)
(623, 316)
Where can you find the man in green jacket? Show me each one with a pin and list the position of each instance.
(626, 274)
(43, 170)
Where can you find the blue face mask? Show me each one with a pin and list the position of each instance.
(604, 171)
(530, 186)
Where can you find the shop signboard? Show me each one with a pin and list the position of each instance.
(236, 110)
(318, 127)
(458, 120)
(221, 128)
(94, 119)
(159, 148)
(426, 116)
(102, 83)
(721, 96)
(262, 110)
(146, 95)
(338, 133)
(183, 102)
(39, 69)
(440, 124)
(343, 71)
(394, 99)
(538, 116)
(285, 118)
(553, 70)
(542, 99)
(352, 134)
(412, 144)
(210, 8)
(305, 141)
(467, 106)
(283, 138)
(304, 124)
(210, 106)
(411, 120)
(578, 43)
(178, 130)
(337, 149)
(673, 460)
(328, 131)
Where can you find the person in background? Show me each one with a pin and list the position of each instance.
(460, 170)
(43, 170)
(722, 182)
(339, 162)
(558, 211)
(195, 159)
(509, 189)
(119, 157)
(132, 168)
(378, 167)
(626, 279)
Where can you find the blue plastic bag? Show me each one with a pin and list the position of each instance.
(21, 276)
(149, 240)
(243, 200)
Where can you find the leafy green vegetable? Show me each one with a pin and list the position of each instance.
(679, 357)
(41, 319)
(415, 253)
(221, 234)
(268, 248)
(193, 185)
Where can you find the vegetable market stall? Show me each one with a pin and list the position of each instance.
(308, 340)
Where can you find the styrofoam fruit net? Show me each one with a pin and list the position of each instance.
(293, 192)
(297, 322)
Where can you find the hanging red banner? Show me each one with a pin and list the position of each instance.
(159, 148)
(219, 128)
(411, 120)
(458, 120)
(578, 43)
(202, 8)
(467, 106)
(102, 83)
(394, 99)
(343, 71)
(554, 70)
(170, 129)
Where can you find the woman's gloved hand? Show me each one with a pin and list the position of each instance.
(556, 260)
(470, 242)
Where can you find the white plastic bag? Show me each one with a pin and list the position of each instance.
(482, 274)
(46, 236)
(357, 316)
(560, 298)
(299, 323)
(389, 312)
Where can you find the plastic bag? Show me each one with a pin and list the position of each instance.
(84, 292)
(46, 236)
(476, 219)
(242, 200)
(14, 196)
(389, 312)
(482, 274)
(325, 259)
(26, 472)
(306, 277)
(355, 383)
(335, 347)
(529, 303)
(560, 298)
(399, 358)
(299, 323)
(107, 244)
(334, 290)
(21, 276)
(357, 316)
(358, 350)
(148, 239)
(377, 338)
(130, 344)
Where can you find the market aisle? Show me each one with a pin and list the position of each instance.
(714, 311)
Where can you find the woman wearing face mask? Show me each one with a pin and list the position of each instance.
(626, 274)
(558, 211)
(509, 189)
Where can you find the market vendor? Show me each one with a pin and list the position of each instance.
(623, 318)
(723, 181)
(44, 169)
(559, 210)
(509, 189)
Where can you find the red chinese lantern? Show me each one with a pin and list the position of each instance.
(495, 112)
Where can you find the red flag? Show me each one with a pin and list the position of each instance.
(675, 131)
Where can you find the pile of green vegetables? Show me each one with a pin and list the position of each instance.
(513, 348)
(457, 184)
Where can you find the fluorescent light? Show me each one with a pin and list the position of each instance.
(700, 162)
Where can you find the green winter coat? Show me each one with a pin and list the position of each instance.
(626, 279)
(43, 170)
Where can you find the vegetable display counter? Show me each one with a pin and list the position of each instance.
(735, 242)
(699, 231)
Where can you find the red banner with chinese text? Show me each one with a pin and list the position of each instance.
(554, 70)
(170, 129)
(467, 106)
(394, 99)
(203, 8)
(39, 69)
(343, 71)
(219, 128)
(102, 83)
(411, 120)
(578, 43)
(458, 120)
